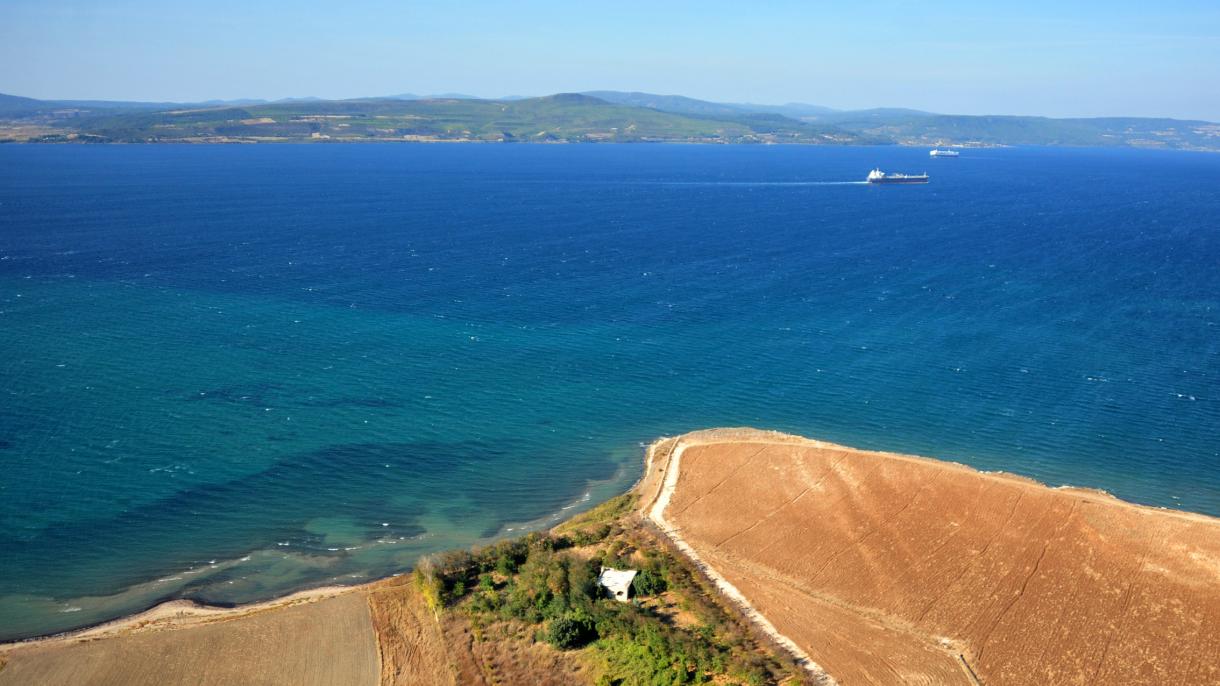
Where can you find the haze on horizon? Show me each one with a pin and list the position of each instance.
(1037, 58)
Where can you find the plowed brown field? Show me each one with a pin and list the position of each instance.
(891, 569)
(329, 642)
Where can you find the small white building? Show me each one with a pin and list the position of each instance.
(617, 581)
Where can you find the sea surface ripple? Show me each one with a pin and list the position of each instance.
(232, 372)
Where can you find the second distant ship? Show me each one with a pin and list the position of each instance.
(878, 176)
(941, 152)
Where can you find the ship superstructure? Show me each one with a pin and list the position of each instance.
(878, 176)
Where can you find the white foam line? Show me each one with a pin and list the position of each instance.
(657, 515)
(755, 184)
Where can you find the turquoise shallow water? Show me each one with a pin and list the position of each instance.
(232, 372)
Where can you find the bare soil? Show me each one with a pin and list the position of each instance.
(409, 636)
(421, 648)
(891, 569)
(327, 642)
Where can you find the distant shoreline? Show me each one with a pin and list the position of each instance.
(589, 117)
(642, 143)
(78, 139)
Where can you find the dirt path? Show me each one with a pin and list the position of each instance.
(657, 514)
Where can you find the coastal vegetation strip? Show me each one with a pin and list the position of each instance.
(542, 590)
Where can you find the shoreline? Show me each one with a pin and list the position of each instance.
(181, 613)
(772, 437)
(175, 613)
(655, 494)
(966, 145)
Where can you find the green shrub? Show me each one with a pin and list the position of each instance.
(755, 675)
(485, 602)
(506, 566)
(648, 658)
(485, 583)
(537, 541)
(590, 535)
(648, 582)
(572, 630)
(582, 584)
(504, 557)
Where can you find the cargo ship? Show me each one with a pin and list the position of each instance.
(878, 176)
(938, 152)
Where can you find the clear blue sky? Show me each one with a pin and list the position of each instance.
(1064, 58)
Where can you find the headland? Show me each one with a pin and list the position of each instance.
(889, 568)
(765, 558)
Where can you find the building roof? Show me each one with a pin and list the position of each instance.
(617, 581)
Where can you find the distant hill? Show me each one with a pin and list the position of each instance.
(566, 117)
(677, 104)
(916, 127)
(434, 96)
(882, 114)
(797, 110)
(758, 117)
(596, 116)
(17, 106)
(14, 106)
(921, 128)
(681, 104)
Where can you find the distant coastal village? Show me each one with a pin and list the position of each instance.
(594, 117)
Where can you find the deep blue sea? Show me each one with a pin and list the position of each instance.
(229, 372)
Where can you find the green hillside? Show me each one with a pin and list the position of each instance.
(556, 118)
(568, 118)
(915, 127)
(922, 128)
